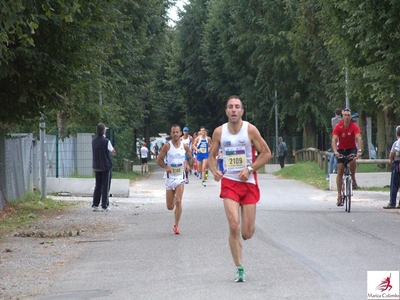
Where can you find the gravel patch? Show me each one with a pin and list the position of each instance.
(32, 257)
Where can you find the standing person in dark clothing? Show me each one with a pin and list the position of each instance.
(156, 150)
(101, 166)
(282, 151)
(394, 160)
(332, 167)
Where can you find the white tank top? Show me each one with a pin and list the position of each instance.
(237, 152)
(175, 159)
(144, 152)
(187, 141)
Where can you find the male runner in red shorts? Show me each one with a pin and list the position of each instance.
(239, 186)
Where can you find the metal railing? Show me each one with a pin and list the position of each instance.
(322, 158)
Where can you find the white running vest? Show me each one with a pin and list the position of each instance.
(187, 142)
(237, 152)
(175, 159)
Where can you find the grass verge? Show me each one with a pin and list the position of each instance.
(310, 173)
(132, 175)
(307, 172)
(22, 212)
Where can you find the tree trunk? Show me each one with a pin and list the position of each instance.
(390, 132)
(62, 117)
(363, 126)
(309, 136)
(380, 120)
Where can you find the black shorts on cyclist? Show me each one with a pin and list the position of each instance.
(344, 152)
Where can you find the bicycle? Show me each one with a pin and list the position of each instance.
(347, 187)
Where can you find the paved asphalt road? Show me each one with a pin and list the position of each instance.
(304, 247)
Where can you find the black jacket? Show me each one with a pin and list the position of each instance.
(101, 155)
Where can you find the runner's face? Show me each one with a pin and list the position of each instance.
(234, 110)
(202, 132)
(175, 133)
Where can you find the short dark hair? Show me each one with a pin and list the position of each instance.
(176, 125)
(338, 111)
(100, 129)
(234, 97)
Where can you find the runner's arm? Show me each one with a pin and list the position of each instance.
(335, 140)
(188, 153)
(263, 150)
(359, 144)
(161, 156)
(214, 150)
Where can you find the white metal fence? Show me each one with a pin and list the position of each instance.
(15, 166)
(20, 161)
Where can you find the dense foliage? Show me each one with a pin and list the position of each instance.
(79, 62)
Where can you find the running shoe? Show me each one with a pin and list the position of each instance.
(240, 276)
(176, 230)
(389, 206)
(203, 183)
(207, 174)
(95, 208)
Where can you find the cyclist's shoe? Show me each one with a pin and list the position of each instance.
(240, 276)
(389, 206)
(176, 230)
(339, 201)
(355, 185)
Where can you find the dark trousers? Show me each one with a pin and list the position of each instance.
(282, 161)
(101, 189)
(394, 185)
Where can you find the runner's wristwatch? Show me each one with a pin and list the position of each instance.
(250, 169)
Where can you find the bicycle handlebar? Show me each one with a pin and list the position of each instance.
(349, 157)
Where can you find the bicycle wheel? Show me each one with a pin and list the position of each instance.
(344, 192)
(348, 192)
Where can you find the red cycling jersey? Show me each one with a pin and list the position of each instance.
(346, 136)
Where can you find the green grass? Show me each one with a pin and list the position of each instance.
(371, 168)
(307, 172)
(261, 170)
(310, 173)
(132, 175)
(22, 212)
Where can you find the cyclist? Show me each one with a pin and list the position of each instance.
(346, 137)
